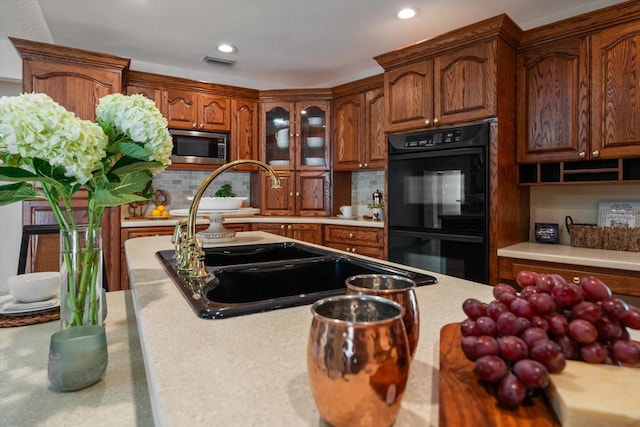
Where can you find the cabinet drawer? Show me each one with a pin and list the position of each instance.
(624, 282)
(357, 249)
(360, 236)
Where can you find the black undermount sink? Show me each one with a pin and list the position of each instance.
(255, 278)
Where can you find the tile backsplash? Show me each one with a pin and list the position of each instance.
(180, 184)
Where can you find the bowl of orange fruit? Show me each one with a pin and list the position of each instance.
(159, 212)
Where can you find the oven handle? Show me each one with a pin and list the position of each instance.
(442, 236)
(425, 154)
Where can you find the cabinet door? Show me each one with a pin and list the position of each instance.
(615, 92)
(348, 124)
(214, 113)
(553, 103)
(409, 94)
(278, 201)
(313, 194)
(244, 131)
(375, 141)
(311, 233)
(464, 84)
(311, 141)
(75, 87)
(154, 94)
(277, 131)
(181, 108)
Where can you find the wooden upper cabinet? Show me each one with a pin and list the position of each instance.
(244, 130)
(348, 132)
(464, 82)
(186, 109)
(615, 91)
(359, 140)
(74, 78)
(153, 93)
(409, 96)
(553, 101)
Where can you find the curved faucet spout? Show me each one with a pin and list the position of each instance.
(193, 210)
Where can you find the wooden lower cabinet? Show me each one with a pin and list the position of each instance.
(311, 233)
(623, 282)
(367, 241)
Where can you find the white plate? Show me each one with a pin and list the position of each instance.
(29, 308)
(347, 217)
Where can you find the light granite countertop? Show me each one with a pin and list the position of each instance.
(357, 222)
(120, 398)
(571, 255)
(251, 370)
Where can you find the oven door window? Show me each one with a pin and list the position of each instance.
(458, 256)
(439, 190)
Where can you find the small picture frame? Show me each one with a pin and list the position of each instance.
(547, 233)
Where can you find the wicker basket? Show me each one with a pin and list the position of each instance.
(610, 238)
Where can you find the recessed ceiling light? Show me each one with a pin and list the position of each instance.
(407, 13)
(226, 48)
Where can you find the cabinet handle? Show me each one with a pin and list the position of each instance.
(576, 280)
(282, 227)
(351, 235)
(289, 227)
(435, 121)
(582, 154)
(427, 122)
(595, 153)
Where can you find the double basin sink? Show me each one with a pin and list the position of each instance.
(255, 278)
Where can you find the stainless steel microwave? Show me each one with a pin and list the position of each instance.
(199, 147)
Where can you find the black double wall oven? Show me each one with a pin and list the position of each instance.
(438, 199)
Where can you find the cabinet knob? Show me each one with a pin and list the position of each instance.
(366, 165)
(194, 125)
(576, 280)
(351, 235)
(289, 227)
(353, 250)
(201, 125)
(348, 249)
(360, 165)
(282, 227)
(427, 122)
(297, 194)
(291, 194)
(435, 121)
(595, 153)
(582, 154)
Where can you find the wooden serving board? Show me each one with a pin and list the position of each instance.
(464, 401)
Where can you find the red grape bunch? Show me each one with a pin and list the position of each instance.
(520, 337)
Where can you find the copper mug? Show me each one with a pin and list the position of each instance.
(396, 288)
(358, 360)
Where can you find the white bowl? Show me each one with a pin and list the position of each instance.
(220, 203)
(314, 161)
(279, 162)
(315, 121)
(315, 141)
(32, 287)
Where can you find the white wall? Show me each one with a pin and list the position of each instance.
(10, 218)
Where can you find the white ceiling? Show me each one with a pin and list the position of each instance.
(281, 43)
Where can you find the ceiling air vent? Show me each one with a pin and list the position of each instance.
(217, 60)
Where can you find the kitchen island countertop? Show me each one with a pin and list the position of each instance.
(251, 370)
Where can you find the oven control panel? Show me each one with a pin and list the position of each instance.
(435, 138)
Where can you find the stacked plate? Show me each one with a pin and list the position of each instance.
(315, 141)
(314, 161)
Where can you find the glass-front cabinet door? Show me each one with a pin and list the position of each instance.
(313, 141)
(279, 132)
